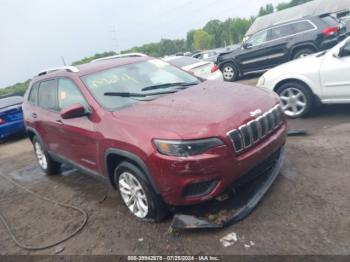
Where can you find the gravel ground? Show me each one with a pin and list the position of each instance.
(306, 211)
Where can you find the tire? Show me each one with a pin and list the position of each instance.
(297, 100)
(45, 161)
(229, 72)
(303, 53)
(147, 206)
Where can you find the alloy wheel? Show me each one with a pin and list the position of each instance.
(294, 101)
(228, 72)
(40, 155)
(133, 194)
(302, 55)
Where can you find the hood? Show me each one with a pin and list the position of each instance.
(208, 109)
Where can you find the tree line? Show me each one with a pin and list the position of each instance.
(214, 34)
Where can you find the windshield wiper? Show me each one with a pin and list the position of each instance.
(126, 94)
(167, 85)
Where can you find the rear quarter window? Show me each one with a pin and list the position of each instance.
(330, 21)
(302, 27)
(33, 95)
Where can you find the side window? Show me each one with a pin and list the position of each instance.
(47, 94)
(69, 94)
(281, 31)
(302, 27)
(258, 38)
(33, 95)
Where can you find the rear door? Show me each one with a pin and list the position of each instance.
(279, 39)
(46, 115)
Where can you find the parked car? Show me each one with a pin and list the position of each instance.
(159, 134)
(281, 43)
(212, 55)
(320, 77)
(11, 116)
(204, 69)
(208, 55)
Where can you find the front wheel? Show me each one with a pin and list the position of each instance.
(137, 193)
(296, 99)
(229, 72)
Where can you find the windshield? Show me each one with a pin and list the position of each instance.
(129, 84)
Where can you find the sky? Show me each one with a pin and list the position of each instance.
(35, 34)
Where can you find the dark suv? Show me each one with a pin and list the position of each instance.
(159, 134)
(280, 43)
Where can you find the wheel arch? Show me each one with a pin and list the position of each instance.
(299, 81)
(232, 61)
(31, 132)
(113, 157)
(299, 47)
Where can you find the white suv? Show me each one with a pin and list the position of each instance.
(323, 77)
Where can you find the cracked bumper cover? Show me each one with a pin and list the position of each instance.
(237, 207)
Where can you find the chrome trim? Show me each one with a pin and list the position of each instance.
(71, 69)
(262, 58)
(240, 136)
(276, 117)
(303, 32)
(118, 56)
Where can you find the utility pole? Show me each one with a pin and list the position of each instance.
(63, 61)
(114, 38)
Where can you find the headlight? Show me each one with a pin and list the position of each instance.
(186, 148)
(261, 81)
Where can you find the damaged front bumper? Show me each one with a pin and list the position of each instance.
(239, 202)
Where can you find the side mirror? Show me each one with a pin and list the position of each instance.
(247, 45)
(73, 111)
(344, 51)
(337, 53)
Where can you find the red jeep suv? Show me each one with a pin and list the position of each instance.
(162, 136)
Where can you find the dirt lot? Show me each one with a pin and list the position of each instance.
(306, 211)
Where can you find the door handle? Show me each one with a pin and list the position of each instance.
(34, 115)
(59, 121)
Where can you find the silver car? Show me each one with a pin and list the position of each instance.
(203, 69)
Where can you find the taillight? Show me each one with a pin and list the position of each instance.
(2, 121)
(330, 31)
(214, 68)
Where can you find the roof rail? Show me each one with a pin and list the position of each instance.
(288, 20)
(119, 56)
(71, 69)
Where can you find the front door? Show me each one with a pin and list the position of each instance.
(335, 75)
(77, 134)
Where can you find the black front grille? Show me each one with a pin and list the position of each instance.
(251, 133)
(199, 189)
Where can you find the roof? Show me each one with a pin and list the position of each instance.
(316, 7)
(90, 68)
